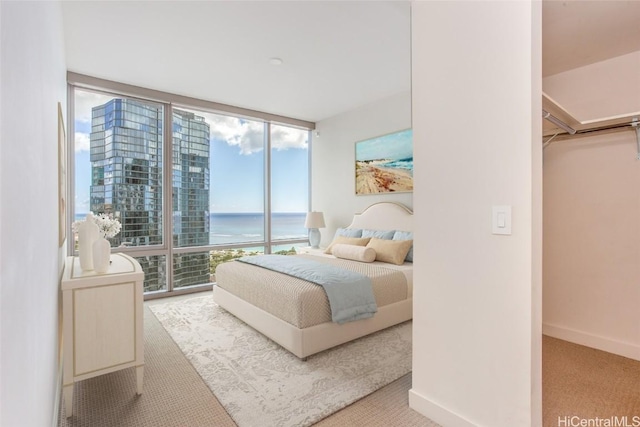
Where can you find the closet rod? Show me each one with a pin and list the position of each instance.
(633, 124)
(556, 121)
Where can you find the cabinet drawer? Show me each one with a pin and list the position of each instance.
(104, 327)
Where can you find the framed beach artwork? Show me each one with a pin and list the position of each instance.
(385, 164)
(62, 178)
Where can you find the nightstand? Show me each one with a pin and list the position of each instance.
(309, 250)
(102, 322)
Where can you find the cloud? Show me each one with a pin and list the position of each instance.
(82, 142)
(85, 100)
(247, 135)
(283, 138)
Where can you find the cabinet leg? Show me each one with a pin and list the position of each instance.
(139, 377)
(67, 393)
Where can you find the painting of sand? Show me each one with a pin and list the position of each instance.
(385, 164)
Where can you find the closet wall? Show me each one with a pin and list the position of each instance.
(591, 204)
(591, 261)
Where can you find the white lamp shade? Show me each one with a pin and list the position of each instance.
(314, 220)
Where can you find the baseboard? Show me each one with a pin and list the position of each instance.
(436, 412)
(58, 397)
(625, 349)
(58, 393)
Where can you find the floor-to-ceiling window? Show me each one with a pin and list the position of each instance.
(289, 190)
(234, 194)
(192, 187)
(118, 146)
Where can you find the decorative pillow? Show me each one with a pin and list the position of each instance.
(347, 240)
(405, 235)
(391, 251)
(378, 234)
(356, 253)
(349, 232)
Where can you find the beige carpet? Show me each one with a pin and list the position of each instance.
(585, 383)
(175, 395)
(577, 380)
(260, 383)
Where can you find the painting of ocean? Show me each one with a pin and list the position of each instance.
(385, 164)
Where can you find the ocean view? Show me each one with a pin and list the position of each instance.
(247, 227)
(226, 228)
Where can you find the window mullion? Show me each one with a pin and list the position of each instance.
(167, 194)
(71, 168)
(267, 188)
(310, 171)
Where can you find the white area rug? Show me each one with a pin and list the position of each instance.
(261, 384)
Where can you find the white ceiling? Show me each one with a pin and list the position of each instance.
(577, 33)
(337, 55)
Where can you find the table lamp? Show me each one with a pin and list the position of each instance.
(314, 221)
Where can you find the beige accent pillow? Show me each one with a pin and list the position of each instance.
(358, 241)
(356, 253)
(391, 251)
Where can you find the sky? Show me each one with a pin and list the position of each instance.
(393, 146)
(236, 161)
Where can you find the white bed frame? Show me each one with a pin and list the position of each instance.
(308, 341)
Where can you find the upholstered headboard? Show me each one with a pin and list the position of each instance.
(384, 216)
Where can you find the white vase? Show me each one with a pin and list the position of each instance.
(88, 233)
(101, 255)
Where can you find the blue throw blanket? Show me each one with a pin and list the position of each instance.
(350, 293)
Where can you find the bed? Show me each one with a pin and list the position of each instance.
(295, 313)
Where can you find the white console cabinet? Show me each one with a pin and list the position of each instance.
(102, 322)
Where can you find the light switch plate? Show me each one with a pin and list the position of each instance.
(501, 220)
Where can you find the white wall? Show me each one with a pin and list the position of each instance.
(476, 70)
(333, 159)
(32, 82)
(592, 242)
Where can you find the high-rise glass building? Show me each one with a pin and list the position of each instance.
(190, 197)
(126, 180)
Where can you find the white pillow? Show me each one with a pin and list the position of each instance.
(356, 253)
(358, 241)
